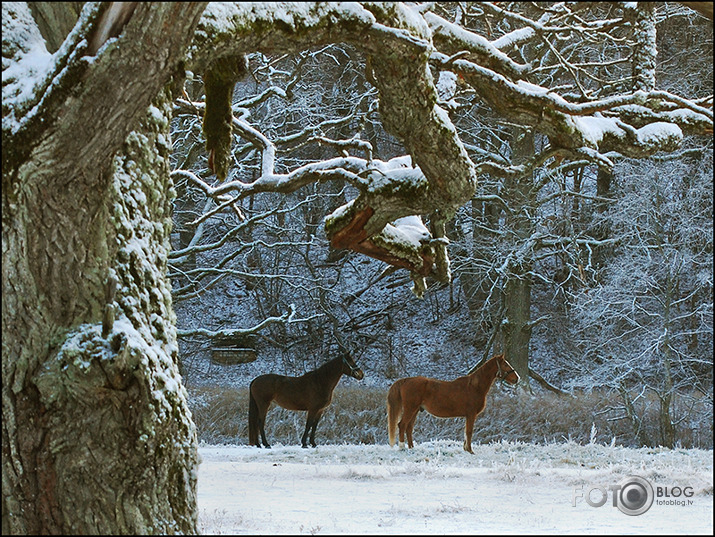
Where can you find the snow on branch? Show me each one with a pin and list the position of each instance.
(584, 125)
(396, 40)
(451, 39)
(230, 235)
(394, 242)
(287, 318)
(52, 99)
(25, 71)
(343, 168)
(342, 145)
(405, 242)
(399, 42)
(272, 27)
(561, 12)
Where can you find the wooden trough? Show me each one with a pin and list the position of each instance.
(232, 355)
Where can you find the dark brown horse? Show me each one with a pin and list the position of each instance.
(312, 392)
(463, 397)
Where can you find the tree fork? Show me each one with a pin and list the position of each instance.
(89, 446)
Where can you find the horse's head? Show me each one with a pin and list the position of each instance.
(351, 368)
(505, 372)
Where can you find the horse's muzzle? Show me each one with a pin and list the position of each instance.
(357, 374)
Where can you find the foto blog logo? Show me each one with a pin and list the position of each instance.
(633, 495)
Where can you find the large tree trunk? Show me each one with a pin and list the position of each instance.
(96, 433)
(97, 437)
(517, 321)
(517, 290)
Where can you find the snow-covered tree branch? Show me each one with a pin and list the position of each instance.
(400, 42)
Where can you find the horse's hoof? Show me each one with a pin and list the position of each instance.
(304, 446)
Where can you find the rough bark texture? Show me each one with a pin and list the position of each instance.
(645, 51)
(103, 422)
(516, 325)
(55, 20)
(219, 81)
(96, 434)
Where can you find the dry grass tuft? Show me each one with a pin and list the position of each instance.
(357, 415)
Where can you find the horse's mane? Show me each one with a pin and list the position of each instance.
(327, 366)
(479, 373)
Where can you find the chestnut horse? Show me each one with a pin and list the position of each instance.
(463, 397)
(312, 392)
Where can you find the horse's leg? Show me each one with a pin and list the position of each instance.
(408, 417)
(253, 427)
(263, 433)
(401, 431)
(410, 428)
(262, 411)
(468, 429)
(310, 424)
(316, 419)
(394, 411)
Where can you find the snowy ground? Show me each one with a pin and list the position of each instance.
(437, 488)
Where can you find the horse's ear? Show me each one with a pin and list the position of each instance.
(343, 347)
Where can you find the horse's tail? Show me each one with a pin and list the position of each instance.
(252, 418)
(394, 410)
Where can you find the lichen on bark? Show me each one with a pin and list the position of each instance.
(129, 379)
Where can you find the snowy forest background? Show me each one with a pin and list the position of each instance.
(614, 270)
(198, 193)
